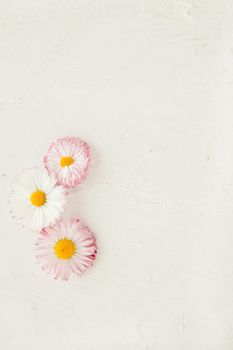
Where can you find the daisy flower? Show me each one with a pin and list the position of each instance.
(68, 158)
(36, 201)
(65, 248)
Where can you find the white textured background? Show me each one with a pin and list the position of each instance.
(149, 85)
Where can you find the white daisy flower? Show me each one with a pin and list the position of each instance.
(36, 201)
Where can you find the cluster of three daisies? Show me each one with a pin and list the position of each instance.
(38, 199)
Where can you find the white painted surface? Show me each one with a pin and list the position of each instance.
(149, 85)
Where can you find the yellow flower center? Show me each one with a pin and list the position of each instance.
(38, 198)
(66, 161)
(64, 248)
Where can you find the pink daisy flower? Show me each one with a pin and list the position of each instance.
(65, 248)
(68, 159)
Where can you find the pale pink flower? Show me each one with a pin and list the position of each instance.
(65, 248)
(68, 159)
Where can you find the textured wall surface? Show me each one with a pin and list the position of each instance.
(149, 85)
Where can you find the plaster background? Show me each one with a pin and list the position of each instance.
(149, 85)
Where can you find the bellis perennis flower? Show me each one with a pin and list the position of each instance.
(65, 248)
(68, 159)
(36, 201)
